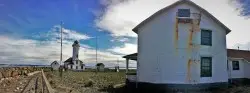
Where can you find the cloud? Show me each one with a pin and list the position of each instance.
(243, 6)
(128, 48)
(35, 51)
(120, 18)
(120, 39)
(67, 34)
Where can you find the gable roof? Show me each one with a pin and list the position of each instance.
(54, 62)
(233, 53)
(175, 4)
(99, 64)
(70, 61)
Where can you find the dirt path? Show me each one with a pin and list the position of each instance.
(22, 84)
(34, 85)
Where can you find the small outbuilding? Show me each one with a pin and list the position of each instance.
(100, 67)
(55, 65)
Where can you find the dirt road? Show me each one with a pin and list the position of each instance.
(23, 84)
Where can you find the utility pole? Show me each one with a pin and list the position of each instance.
(61, 45)
(96, 51)
(60, 68)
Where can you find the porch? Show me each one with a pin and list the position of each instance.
(130, 74)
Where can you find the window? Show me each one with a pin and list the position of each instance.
(206, 37)
(77, 56)
(206, 66)
(183, 12)
(71, 66)
(236, 65)
(76, 67)
(76, 61)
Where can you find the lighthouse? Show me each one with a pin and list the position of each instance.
(75, 59)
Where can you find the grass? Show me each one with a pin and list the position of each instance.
(100, 79)
(104, 82)
(86, 82)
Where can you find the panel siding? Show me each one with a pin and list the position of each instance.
(158, 60)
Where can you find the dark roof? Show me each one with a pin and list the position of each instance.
(177, 3)
(99, 64)
(233, 53)
(69, 61)
(75, 43)
(131, 56)
(54, 62)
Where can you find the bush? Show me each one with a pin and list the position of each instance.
(89, 83)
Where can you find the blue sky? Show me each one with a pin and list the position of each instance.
(29, 30)
(33, 17)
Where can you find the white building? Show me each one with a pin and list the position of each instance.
(181, 45)
(100, 67)
(238, 65)
(73, 62)
(55, 65)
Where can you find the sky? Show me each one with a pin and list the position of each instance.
(29, 30)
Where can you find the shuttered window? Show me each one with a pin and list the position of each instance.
(206, 66)
(206, 37)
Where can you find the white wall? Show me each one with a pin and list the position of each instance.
(243, 71)
(236, 73)
(75, 52)
(158, 60)
(246, 69)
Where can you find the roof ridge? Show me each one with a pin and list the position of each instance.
(239, 50)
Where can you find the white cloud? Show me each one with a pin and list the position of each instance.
(120, 17)
(128, 48)
(28, 51)
(120, 39)
(67, 34)
(31, 51)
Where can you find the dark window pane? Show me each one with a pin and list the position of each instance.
(206, 37)
(236, 65)
(183, 12)
(206, 66)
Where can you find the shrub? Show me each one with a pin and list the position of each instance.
(89, 83)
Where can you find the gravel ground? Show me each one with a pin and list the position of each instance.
(35, 85)
(85, 82)
(16, 84)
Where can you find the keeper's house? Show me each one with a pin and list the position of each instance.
(184, 46)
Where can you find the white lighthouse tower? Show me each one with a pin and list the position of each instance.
(75, 59)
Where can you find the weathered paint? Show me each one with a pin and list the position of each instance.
(157, 60)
